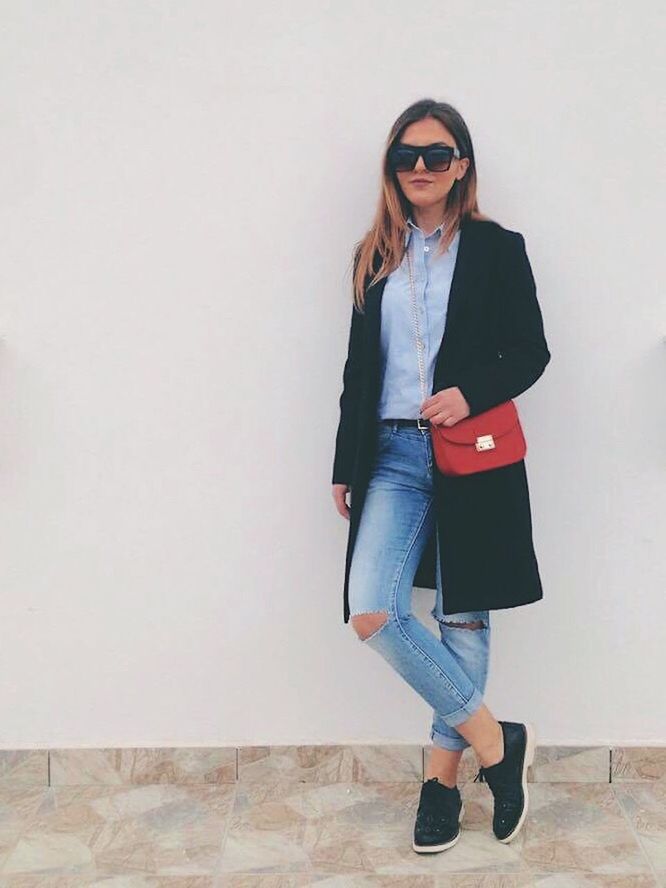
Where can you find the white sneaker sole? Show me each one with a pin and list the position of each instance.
(527, 761)
(432, 849)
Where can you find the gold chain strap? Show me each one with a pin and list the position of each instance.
(417, 333)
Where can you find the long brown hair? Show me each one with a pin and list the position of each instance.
(383, 246)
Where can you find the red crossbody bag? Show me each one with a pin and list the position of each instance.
(477, 443)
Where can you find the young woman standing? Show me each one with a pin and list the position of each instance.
(444, 303)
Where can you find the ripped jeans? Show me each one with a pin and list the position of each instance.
(449, 672)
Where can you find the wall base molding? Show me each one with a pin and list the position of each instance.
(308, 764)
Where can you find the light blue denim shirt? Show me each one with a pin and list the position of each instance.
(400, 392)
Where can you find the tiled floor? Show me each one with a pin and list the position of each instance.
(325, 816)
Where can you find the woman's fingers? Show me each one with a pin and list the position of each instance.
(447, 419)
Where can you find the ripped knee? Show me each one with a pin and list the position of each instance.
(477, 624)
(366, 625)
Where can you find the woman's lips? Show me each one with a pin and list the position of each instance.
(420, 182)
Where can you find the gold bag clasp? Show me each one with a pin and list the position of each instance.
(485, 442)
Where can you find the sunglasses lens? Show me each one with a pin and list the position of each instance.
(438, 159)
(402, 159)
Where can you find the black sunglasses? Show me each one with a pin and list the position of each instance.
(437, 157)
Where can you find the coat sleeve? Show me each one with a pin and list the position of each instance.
(345, 442)
(523, 351)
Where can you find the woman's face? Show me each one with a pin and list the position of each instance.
(438, 184)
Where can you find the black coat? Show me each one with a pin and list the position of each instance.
(493, 348)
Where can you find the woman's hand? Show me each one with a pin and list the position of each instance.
(339, 496)
(446, 407)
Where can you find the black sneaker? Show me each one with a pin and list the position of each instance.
(507, 779)
(438, 817)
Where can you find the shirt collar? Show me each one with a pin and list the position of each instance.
(412, 226)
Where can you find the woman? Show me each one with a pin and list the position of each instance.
(470, 304)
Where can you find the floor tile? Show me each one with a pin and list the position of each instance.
(89, 832)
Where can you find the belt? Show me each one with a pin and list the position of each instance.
(423, 424)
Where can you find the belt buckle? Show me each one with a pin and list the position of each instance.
(425, 426)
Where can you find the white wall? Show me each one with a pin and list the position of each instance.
(182, 184)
